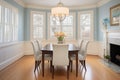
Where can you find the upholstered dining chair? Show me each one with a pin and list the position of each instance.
(79, 42)
(60, 57)
(37, 55)
(82, 54)
(47, 57)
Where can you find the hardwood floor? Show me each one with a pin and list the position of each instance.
(23, 69)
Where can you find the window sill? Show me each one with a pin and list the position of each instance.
(3, 45)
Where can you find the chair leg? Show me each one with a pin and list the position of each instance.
(52, 72)
(71, 65)
(35, 66)
(68, 72)
(84, 63)
(39, 64)
(80, 62)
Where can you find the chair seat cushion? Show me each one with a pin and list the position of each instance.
(80, 57)
(38, 57)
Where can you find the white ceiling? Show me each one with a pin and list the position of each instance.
(65, 2)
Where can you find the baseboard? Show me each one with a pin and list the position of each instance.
(10, 61)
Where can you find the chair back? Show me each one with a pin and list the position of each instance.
(39, 44)
(60, 55)
(83, 50)
(80, 43)
(36, 50)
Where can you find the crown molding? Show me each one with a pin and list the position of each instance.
(20, 2)
(37, 6)
(83, 7)
(102, 2)
(71, 7)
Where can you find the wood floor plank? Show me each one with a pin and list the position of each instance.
(23, 69)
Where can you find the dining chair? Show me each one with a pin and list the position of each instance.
(82, 54)
(37, 55)
(47, 57)
(60, 57)
(79, 42)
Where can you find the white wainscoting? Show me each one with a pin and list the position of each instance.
(10, 53)
(94, 47)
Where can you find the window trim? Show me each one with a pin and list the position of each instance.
(92, 27)
(74, 27)
(44, 24)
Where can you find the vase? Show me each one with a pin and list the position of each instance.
(60, 40)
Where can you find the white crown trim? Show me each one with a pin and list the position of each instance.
(100, 3)
(74, 7)
(37, 6)
(20, 2)
(84, 6)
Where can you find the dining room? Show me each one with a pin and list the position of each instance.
(59, 39)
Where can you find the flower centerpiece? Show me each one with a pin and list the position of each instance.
(60, 36)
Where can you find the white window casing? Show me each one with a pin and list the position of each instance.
(38, 21)
(81, 25)
(66, 23)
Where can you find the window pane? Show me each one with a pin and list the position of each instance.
(1, 33)
(1, 29)
(6, 15)
(15, 26)
(37, 19)
(68, 26)
(85, 26)
(0, 13)
(37, 25)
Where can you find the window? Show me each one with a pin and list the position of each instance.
(86, 25)
(68, 26)
(8, 23)
(38, 25)
(1, 30)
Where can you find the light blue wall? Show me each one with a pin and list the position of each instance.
(21, 19)
(99, 14)
(104, 12)
(27, 21)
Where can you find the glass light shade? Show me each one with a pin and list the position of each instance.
(60, 11)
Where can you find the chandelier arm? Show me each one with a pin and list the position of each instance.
(56, 18)
(62, 18)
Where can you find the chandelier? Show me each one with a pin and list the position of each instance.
(60, 12)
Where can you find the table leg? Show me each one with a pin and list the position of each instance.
(76, 64)
(43, 65)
